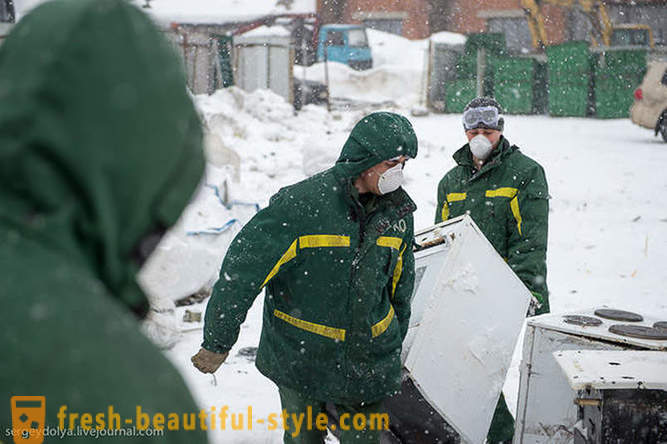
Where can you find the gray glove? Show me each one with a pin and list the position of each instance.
(208, 361)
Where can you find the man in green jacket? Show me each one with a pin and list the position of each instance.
(334, 253)
(100, 150)
(506, 194)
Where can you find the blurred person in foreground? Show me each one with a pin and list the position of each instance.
(100, 151)
(506, 194)
(334, 253)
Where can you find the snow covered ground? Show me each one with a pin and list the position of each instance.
(608, 218)
(608, 208)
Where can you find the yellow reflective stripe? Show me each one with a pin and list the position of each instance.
(455, 197)
(323, 240)
(381, 326)
(286, 257)
(511, 193)
(451, 197)
(514, 205)
(502, 192)
(391, 242)
(445, 211)
(398, 270)
(322, 330)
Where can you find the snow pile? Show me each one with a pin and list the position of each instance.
(274, 142)
(397, 76)
(391, 50)
(395, 85)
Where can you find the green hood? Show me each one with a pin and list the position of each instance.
(376, 138)
(99, 142)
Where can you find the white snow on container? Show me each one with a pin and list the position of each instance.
(612, 369)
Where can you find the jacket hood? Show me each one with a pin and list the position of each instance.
(374, 139)
(100, 143)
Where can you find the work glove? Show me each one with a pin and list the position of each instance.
(208, 361)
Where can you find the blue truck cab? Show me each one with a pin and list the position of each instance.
(346, 44)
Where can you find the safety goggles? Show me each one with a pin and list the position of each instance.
(487, 115)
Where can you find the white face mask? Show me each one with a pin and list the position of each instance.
(480, 147)
(391, 179)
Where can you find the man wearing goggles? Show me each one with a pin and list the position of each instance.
(506, 194)
(487, 115)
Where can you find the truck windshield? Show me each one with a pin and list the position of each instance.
(357, 37)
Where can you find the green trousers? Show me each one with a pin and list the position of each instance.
(358, 424)
(502, 425)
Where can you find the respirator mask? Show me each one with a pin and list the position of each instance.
(391, 179)
(480, 147)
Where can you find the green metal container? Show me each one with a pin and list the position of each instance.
(464, 88)
(569, 71)
(493, 43)
(513, 68)
(568, 97)
(569, 57)
(458, 94)
(513, 79)
(515, 97)
(466, 67)
(617, 73)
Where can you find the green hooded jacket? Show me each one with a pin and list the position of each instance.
(100, 146)
(338, 276)
(508, 200)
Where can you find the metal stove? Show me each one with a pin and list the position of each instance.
(547, 411)
(621, 395)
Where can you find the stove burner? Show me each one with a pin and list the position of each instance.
(618, 315)
(584, 321)
(660, 325)
(639, 331)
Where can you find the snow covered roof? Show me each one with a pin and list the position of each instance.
(450, 38)
(264, 31)
(220, 11)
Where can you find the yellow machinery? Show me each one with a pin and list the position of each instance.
(604, 32)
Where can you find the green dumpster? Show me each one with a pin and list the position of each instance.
(458, 94)
(513, 79)
(617, 74)
(569, 72)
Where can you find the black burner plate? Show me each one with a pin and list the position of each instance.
(618, 315)
(639, 331)
(584, 321)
